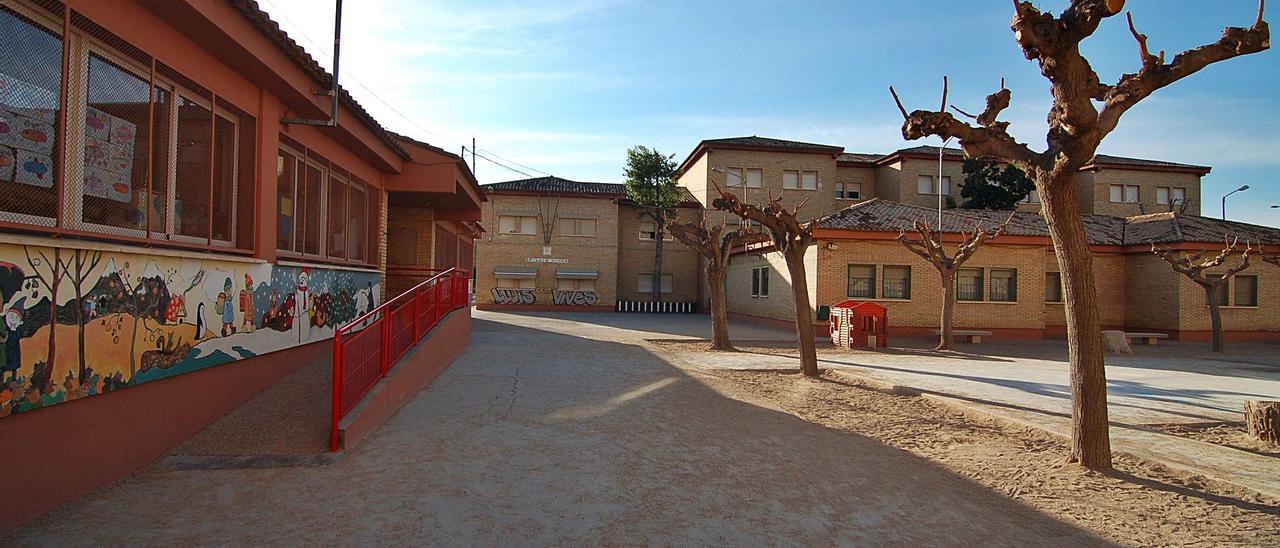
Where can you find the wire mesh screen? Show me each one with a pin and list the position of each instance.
(193, 171)
(106, 191)
(337, 229)
(287, 177)
(225, 177)
(30, 87)
(358, 224)
(313, 196)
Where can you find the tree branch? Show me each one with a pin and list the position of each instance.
(990, 139)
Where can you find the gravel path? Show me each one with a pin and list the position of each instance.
(552, 431)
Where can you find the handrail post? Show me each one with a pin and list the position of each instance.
(385, 356)
(437, 311)
(416, 332)
(336, 414)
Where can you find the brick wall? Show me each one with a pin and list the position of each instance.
(905, 173)
(821, 201)
(1151, 294)
(1110, 274)
(635, 256)
(1264, 317)
(865, 176)
(512, 250)
(1094, 191)
(925, 305)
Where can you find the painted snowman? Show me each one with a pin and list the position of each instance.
(304, 304)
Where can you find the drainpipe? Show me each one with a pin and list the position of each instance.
(333, 91)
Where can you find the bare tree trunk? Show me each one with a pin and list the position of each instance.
(804, 311)
(1215, 314)
(1090, 444)
(659, 233)
(948, 310)
(719, 308)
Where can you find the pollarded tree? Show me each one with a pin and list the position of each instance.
(651, 184)
(1193, 266)
(792, 238)
(1076, 128)
(715, 245)
(930, 248)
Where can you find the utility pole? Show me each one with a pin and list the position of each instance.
(473, 156)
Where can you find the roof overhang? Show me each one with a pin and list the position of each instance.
(705, 147)
(1194, 170)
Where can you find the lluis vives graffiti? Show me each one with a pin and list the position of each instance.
(79, 323)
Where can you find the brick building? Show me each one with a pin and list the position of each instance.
(189, 210)
(568, 245)
(1012, 286)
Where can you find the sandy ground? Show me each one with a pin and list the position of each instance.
(556, 429)
(1138, 505)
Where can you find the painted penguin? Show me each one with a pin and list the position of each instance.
(200, 327)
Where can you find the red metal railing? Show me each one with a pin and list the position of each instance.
(365, 349)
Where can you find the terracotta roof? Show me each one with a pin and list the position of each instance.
(858, 158)
(757, 143)
(1104, 160)
(877, 215)
(269, 28)
(557, 185)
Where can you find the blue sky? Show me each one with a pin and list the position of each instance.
(565, 86)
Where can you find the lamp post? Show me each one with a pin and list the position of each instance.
(1224, 199)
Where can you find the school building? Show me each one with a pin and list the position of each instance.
(189, 209)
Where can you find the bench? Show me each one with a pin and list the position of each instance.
(968, 336)
(1146, 338)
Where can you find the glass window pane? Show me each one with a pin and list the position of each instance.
(1131, 194)
(755, 282)
(969, 284)
(790, 179)
(853, 191)
(30, 83)
(897, 282)
(312, 197)
(193, 170)
(924, 184)
(764, 282)
(357, 212)
(1004, 286)
(1246, 292)
(946, 185)
(809, 180)
(1177, 195)
(587, 227)
(755, 178)
(337, 229)
(286, 184)
(862, 281)
(226, 165)
(116, 131)
(1117, 193)
(1052, 287)
(733, 176)
(1162, 195)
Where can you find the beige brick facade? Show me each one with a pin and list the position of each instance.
(701, 177)
(635, 257)
(779, 304)
(1093, 190)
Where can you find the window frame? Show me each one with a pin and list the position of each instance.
(760, 282)
(842, 190)
(884, 278)
(816, 183)
(533, 283)
(935, 185)
(1012, 289)
(849, 281)
(518, 224)
(1061, 294)
(652, 235)
(1124, 191)
(981, 285)
(1235, 291)
(576, 223)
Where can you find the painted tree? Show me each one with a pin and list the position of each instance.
(791, 238)
(1076, 127)
(716, 245)
(1193, 266)
(50, 281)
(651, 184)
(77, 269)
(988, 185)
(930, 248)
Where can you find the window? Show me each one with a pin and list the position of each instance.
(862, 281)
(925, 185)
(809, 180)
(568, 284)
(790, 179)
(649, 232)
(645, 284)
(358, 228)
(897, 283)
(760, 282)
(337, 233)
(1004, 285)
(578, 227)
(30, 111)
(515, 283)
(1245, 290)
(322, 210)
(1124, 194)
(286, 183)
(848, 191)
(517, 224)
(751, 178)
(1222, 294)
(1052, 287)
(1171, 195)
(969, 284)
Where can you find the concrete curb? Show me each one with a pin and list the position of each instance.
(1142, 445)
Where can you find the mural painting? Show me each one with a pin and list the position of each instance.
(574, 297)
(513, 296)
(79, 323)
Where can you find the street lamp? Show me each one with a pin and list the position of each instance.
(1224, 199)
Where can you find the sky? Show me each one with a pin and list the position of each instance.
(564, 87)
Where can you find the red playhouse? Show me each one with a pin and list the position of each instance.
(857, 324)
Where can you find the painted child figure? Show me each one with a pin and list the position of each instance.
(227, 309)
(11, 338)
(246, 305)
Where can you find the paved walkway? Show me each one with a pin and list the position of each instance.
(555, 431)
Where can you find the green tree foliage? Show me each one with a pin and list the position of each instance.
(651, 184)
(991, 186)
